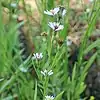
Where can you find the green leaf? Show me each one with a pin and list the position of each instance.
(10, 97)
(50, 4)
(93, 45)
(90, 62)
(74, 73)
(35, 94)
(59, 96)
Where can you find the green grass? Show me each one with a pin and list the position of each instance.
(24, 85)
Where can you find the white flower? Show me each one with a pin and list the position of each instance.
(37, 56)
(88, 10)
(50, 72)
(14, 5)
(52, 12)
(68, 41)
(49, 97)
(64, 12)
(45, 72)
(56, 26)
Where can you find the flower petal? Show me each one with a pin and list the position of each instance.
(48, 13)
(41, 55)
(56, 10)
(64, 12)
(43, 73)
(52, 12)
(51, 25)
(49, 97)
(50, 72)
(59, 28)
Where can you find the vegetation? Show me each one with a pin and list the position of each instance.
(44, 74)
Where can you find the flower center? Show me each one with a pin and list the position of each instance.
(52, 11)
(56, 27)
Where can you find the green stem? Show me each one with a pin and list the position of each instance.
(45, 86)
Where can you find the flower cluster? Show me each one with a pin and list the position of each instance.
(52, 12)
(56, 26)
(55, 11)
(46, 72)
(49, 97)
(37, 56)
